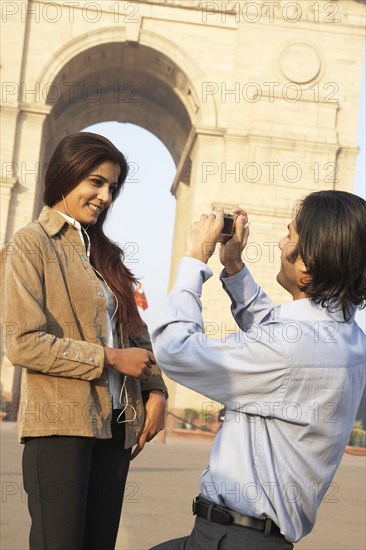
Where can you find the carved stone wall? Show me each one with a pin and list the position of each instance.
(256, 101)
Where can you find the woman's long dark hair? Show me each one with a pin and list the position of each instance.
(75, 157)
(332, 237)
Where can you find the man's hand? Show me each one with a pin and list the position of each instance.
(154, 419)
(204, 235)
(231, 249)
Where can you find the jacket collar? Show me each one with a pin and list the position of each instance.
(52, 221)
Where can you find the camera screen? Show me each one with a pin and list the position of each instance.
(228, 224)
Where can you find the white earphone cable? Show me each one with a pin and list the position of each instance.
(123, 396)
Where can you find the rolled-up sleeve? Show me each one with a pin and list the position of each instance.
(28, 342)
(244, 367)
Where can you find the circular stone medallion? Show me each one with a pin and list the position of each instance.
(300, 63)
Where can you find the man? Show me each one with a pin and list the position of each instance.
(291, 380)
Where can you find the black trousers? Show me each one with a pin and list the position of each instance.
(75, 489)
(207, 535)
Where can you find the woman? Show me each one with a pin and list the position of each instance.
(91, 388)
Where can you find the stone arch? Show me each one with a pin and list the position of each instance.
(213, 140)
(103, 76)
(203, 114)
(150, 88)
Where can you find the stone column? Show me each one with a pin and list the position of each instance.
(18, 196)
(9, 114)
(193, 200)
(26, 155)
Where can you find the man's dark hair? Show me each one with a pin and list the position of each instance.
(332, 244)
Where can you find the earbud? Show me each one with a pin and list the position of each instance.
(67, 210)
(74, 224)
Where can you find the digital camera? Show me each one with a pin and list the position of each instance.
(228, 229)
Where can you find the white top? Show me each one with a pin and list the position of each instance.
(291, 379)
(114, 377)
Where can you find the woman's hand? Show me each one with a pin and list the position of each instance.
(154, 419)
(134, 362)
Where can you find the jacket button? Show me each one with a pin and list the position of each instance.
(65, 354)
(77, 356)
(100, 293)
(91, 360)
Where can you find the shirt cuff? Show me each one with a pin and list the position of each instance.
(191, 275)
(234, 284)
(225, 275)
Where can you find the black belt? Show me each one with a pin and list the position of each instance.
(220, 514)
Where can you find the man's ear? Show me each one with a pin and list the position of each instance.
(305, 275)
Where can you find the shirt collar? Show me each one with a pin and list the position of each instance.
(71, 220)
(305, 310)
(53, 221)
(75, 224)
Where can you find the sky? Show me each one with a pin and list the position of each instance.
(142, 219)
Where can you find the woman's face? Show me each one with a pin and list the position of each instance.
(92, 195)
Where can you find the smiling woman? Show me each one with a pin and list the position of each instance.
(82, 343)
(87, 173)
(92, 195)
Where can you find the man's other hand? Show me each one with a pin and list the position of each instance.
(204, 235)
(231, 249)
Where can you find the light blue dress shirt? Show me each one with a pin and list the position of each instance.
(291, 379)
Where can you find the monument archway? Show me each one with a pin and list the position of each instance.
(123, 82)
(257, 109)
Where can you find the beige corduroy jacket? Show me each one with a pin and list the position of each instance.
(54, 325)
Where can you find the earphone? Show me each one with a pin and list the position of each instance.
(123, 392)
(126, 404)
(84, 230)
